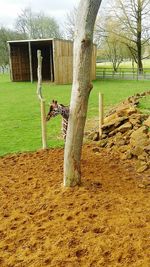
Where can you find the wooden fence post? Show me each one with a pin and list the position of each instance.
(39, 93)
(101, 114)
(43, 123)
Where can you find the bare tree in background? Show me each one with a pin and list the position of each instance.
(81, 88)
(70, 26)
(70, 23)
(133, 16)
(37, 25)
(112, 46)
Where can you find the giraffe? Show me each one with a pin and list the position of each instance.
(56, 109)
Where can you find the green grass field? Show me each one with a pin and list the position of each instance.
(20, 128)
(124, 65)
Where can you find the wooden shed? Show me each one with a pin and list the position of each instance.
(57, 60)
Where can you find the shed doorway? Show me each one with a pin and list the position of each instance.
(47, 62)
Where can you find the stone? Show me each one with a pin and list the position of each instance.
(146, 181)
(137, 151)
(123, 156)
(128, 154)
(142, 168)
(91, 135)
(135, 121)
(86, 133)
(110, 144)
(102, 143)
(127, 111)
(128, 134)
(96, 149)
(124, 148)
(110, 126)
(147, 122)
(141, 186)
(136, 116)
(139, 137)
(104, 136)
(110, 118)
(121, 142)
(96, 136)
(136, 127)
(125, 127)
(142, 157)
(147, 148)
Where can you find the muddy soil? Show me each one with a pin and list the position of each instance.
(104, 222)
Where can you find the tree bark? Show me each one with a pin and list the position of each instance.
(39, 93)
(139, 41)
(81, 88)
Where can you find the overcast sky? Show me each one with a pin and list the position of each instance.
(9, 9)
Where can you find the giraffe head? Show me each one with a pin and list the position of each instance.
(53, 110)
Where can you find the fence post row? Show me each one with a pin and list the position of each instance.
(124, 74)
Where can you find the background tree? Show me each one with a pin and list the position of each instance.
(133, 16)
(83, 44)
(6, 35)
(113, 49)
(70, 24)
(37, 25)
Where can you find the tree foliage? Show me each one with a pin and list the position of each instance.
(70, 27)
(7, 35)
(70, 23)
(133, 17)
(113, 49)
(37, 25)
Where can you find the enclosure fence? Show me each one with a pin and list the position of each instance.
(107, 73)
(4, 69)
(122, 74)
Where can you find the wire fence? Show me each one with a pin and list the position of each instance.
(4, 69)
(107, 73)
(122, 74)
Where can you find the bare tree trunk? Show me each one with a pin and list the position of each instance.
(81, 88)
(139, 41)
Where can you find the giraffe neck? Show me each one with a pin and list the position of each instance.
(64, 111)
(64, 127)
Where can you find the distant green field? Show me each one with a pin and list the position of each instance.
(124, 65)
(20, 128)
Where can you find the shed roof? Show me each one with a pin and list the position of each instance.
(37, 40)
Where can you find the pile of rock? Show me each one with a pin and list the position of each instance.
(127, 132)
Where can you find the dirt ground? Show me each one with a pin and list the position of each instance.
(104, 222)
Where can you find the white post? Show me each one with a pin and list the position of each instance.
(101, 114)
(39, 93)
